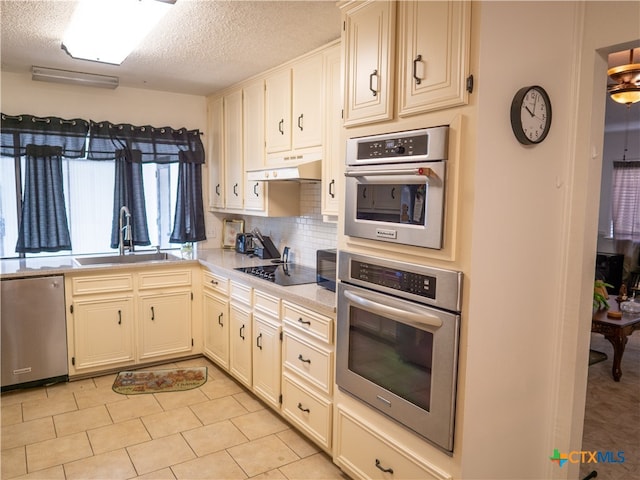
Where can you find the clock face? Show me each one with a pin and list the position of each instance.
(531, 115)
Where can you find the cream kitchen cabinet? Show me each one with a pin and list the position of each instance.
(308, 372)
(233, 157)
(267, 351)
(215, 314)
(434, 39)
(365, 451)
(295, 111)
(369, 52)
(215, 160)
(253, 142)
(333, 144)
(240, 333)
(128, 318)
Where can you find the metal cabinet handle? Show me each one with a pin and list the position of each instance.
(235, 189)
(380, 467)
(332, 184)
(153, 314)
(281, 126)
(305, 360)
(214, 282)
(364, 192)
(300, 407)
(304, 322)
(220, 320)
(393, 193)
(415, 69)
(373, 91)
(119, 317)
(255, 190)
(218, 189)
(300, 122)
(242, 332)
(258, 342)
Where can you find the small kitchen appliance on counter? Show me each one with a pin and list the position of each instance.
(326, 268)
(244, 243)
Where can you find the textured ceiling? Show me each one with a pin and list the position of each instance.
(200, 47)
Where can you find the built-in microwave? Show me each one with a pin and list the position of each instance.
(395, 187)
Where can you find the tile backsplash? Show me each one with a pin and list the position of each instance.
(303, 234)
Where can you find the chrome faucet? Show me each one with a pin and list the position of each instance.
(126, 230)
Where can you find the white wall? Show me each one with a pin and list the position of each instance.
(534, 235)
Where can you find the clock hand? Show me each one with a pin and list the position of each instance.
(530, 112)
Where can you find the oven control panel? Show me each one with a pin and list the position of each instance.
(394, 147)
(408, 282)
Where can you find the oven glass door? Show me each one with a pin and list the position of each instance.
(400, 357)
(396, 204)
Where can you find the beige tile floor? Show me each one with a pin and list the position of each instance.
(84, 430)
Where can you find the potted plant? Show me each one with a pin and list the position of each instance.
(600, 295)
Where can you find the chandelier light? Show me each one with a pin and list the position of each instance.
(107, 31)
(626, 88)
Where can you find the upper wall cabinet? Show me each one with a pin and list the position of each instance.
(433, 41)
(253, 142)
(216, 153)
(234, 165)
(294, 111)
(368, 40)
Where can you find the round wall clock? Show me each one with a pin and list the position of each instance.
(531, 115)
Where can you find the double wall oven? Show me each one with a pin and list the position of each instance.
(398, 323)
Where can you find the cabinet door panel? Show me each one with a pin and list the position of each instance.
(278, 116)
(308, 103)
(234, 169)
(240, 342)
(369, 58)
(215, 162)
(434, 42)
(103, 333)
(216, 329)
(267, 360)
(165, 324)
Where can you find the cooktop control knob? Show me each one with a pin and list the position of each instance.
(399, 149)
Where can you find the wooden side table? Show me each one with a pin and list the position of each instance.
(616, 331)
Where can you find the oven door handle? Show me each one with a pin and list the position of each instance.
(398, 314)
(419, 171)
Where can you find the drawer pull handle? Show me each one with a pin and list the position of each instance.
(380, 467)
(300, 407)
(415, 69)
(214, 282)
(304, 322)
(153, 314)
(220, 320)
(258, 342)
(374, 92)
(332, 184)
(305, 360)
(119, 317)
(242, 332)
(300, 126)
(281, 126)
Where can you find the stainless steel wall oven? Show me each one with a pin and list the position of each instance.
(397, 341)
(395, 187)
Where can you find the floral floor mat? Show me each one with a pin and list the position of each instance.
(154, 381)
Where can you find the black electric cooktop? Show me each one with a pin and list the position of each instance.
(282, 274)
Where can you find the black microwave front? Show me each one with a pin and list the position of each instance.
(395, 187)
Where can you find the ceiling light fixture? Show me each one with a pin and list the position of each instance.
(75, 78)
(107, 31)
(627, 77)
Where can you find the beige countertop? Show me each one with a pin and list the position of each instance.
(218, 260)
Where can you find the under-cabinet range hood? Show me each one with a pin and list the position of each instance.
(302, 172)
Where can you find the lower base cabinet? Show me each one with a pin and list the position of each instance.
(363, 451)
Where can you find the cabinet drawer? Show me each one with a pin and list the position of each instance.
(215, 282)
(310, 361)
(266, 303)
(310, 322)
(364, 452)
(102, 284)
(164, 278)
(310, 412)
(240, 292)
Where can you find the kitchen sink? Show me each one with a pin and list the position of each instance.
(125, 259)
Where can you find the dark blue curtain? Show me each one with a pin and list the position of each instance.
(188, 225)
(129, 192)
(43, 224)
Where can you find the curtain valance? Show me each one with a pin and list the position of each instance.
(106, 140)
(151, 144)
(17, 132)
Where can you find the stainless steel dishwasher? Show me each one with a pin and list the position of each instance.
(34, 331)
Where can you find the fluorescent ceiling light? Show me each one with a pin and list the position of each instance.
(107, 31)
(75, 78)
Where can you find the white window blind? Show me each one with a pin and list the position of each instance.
(626, 201)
